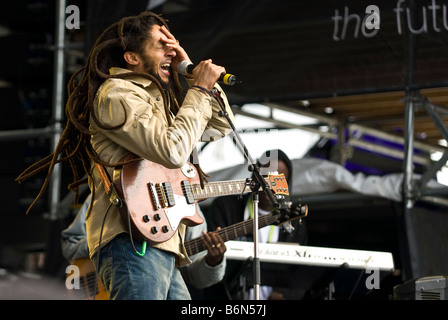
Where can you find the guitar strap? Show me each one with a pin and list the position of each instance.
(194, 159)
(109, 187)
(115, 199)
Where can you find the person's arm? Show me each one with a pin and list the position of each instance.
(208, 267)
(204, 76)
(140, 123)
(73, 238)
(145, 131)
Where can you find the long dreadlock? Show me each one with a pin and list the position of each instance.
(74, 145)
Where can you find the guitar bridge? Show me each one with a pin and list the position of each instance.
(155, 198)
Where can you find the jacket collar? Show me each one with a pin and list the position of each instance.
(142, 81)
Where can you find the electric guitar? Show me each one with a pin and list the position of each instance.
(276, 217)
(90, 286)
(157, 199)
(87, 277)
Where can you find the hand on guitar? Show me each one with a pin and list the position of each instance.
(215, 247)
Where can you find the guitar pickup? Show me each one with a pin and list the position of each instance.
(188, 193)
(166, 192)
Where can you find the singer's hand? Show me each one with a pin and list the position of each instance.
(171, 42)
(206, 74)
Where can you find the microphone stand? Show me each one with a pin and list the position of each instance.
(256, 184)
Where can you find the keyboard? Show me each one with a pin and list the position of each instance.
(311, 256)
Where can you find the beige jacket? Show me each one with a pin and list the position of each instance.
(146, 133)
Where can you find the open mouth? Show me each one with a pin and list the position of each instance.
(166, 69)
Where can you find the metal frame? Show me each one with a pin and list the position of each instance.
(413, 189)
(53, 131)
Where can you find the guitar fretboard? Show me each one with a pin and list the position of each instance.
(232, 232)
(217, 189)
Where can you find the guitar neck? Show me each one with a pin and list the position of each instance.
(217, 189)
(277, 183)
(232, 232)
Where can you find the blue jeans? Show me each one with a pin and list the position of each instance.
(129, 276)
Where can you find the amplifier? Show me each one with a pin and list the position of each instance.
(425, 288)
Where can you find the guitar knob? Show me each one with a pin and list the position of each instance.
(154, 230)
(157, 217)
(165, 229)
(146, 218)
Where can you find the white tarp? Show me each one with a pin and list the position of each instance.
(316, 176)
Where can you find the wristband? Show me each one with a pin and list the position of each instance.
(202, 89)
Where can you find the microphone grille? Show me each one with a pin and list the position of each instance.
(182, 67)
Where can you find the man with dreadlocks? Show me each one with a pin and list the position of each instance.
(129, 102)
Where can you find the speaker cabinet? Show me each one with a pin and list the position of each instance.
(425, 288)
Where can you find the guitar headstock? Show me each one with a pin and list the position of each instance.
(287, 212)
(278, 184)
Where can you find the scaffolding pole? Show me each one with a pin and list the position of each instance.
(408, 246)
(58, 105)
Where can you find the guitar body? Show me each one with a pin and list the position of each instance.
(157, 199)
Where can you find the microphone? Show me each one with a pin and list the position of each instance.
(185, 67)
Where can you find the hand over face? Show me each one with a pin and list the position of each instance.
(206, 73)
(171, 42)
